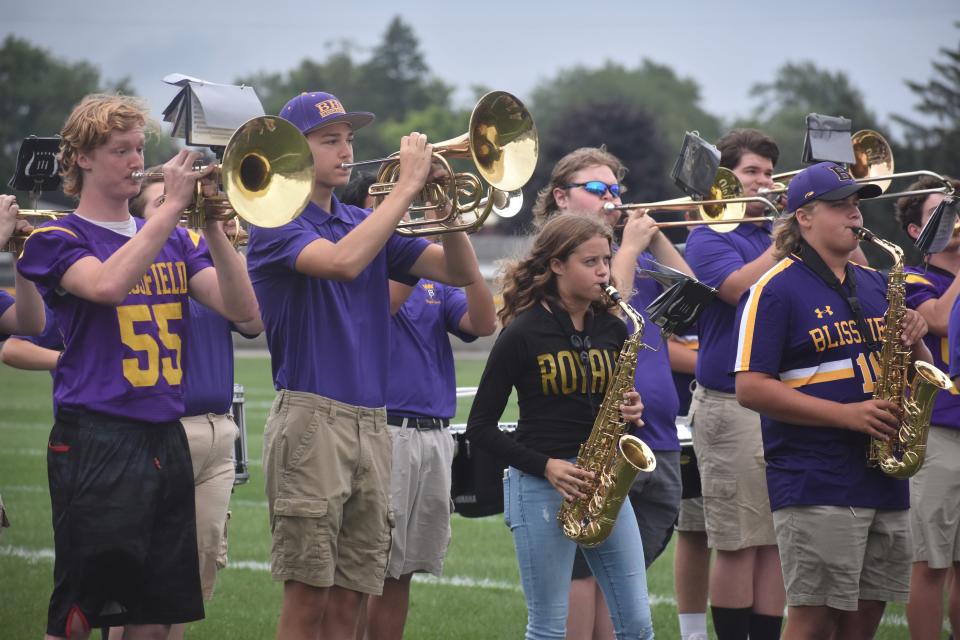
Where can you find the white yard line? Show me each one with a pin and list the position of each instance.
(34, 556)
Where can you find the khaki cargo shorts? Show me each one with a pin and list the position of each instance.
(327, 470)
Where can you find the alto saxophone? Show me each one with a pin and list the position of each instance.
(612, 457)
(903, 454)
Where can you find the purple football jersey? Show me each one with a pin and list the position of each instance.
(793, 327)
(930, 284)
(124, 361)
(954, 341)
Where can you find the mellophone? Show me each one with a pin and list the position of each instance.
(240, 458)
(477, 476)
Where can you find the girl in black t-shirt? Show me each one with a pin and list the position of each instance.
(558, 348)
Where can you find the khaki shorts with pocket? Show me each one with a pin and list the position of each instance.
(327, 471)
(835, 556)
(729, 448)
(935, 501)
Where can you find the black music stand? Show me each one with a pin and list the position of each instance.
(939, 229)
(37, 169)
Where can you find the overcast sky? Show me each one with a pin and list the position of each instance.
(511, 45)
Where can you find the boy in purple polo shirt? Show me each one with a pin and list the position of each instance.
(583, 182)
(421, 400)
(27, 317)
(932, 289)
(120, 478)
(322, 285)
(809, 333)
(746, 587)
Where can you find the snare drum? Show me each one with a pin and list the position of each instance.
(477, 479)
(240, 445)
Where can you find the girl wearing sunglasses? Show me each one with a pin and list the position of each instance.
(552, 313)
(582, 182)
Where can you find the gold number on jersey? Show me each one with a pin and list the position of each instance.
(160, 315)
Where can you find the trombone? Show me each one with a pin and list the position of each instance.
(725, 209)
(873, 163)
(502, 143)
(267, 173)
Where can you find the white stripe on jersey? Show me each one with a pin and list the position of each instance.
(824, 372)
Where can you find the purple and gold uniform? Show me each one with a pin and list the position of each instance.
(795, 328)
(326, 337)
(713, 257)
(6, 301)
(953, 339)
(129, 363)
(929, 284)
(120, 480)
(423, 375)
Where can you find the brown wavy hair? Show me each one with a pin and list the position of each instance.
(740, 141)
(546, 204)
(529, 281)
(909, 209)
(89, 126)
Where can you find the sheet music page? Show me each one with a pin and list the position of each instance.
(222, 108)
(200, 132)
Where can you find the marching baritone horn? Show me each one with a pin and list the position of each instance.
(267, 174)
(502, 143)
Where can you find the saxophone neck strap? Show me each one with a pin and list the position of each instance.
(809, 256)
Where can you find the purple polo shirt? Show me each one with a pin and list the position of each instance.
(930, 284)
(713, 257)
(6, 301)
(954, 340)
(653, 378)
(124, 361)
(422, 381)
(793, 327)
(326, 337)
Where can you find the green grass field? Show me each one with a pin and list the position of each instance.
(478, 597)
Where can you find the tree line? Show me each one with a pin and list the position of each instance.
(639, 112)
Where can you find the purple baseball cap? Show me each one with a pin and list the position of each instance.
(826, 181)
(309, 111)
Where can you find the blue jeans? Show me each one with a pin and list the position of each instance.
(545, 557)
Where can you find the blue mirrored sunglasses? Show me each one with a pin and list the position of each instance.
(597, 188)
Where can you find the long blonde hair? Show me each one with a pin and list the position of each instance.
(528, 281)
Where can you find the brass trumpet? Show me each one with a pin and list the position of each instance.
(503, 145)
(267, 173)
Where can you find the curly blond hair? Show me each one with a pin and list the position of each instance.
(89, 126)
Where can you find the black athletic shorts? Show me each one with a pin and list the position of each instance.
(124, 526)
